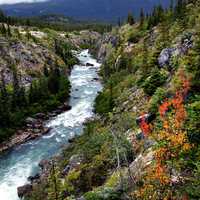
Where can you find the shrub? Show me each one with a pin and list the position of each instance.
(156, 100)
(193, 123)
(134, 37)
(155, 80)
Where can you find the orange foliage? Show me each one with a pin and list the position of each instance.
(145, 127)
(173, 138)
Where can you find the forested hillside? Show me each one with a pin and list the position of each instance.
(144, 141)
(104, 10)
(35, 63)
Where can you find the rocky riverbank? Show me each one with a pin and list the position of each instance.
(34, 127)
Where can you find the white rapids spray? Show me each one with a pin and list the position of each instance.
(22, 161)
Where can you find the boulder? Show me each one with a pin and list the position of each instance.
(44, 164)
(65, 107)
(31, 120)
(33, 178)
(40, 116)
(24, 190)
(66, 170)
(165, 56)
(147, 117)
(75, 161)
(89, 64)
(71, 140)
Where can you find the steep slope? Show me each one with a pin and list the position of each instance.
(34, 70)
(87, 9)
(144, 141)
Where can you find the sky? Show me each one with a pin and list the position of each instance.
(18, 1)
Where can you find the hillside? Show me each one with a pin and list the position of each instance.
(144, 141)
(34, 86)
(85, 10)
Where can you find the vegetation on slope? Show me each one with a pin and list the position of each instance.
(32, 80)
(144, 143)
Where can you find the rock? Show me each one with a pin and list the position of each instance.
(24, 190)
(65, 107)
(165, 56)
(148, 143)
(81, 198)
(33, 178)
(44, 164)
(46, 131)
(58, 111)
(75, 161)
(140, 163)
(147, 117)
(36, 131)
(89, 64)
(95, 79)
(40, 116)
(140, 136)
(66, 170)
(31, 120)
(71, 140)
(182, 46)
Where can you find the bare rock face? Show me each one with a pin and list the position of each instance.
(30, 59)
(24, 190)
(165, 56)
(74, 162)
(182, 46)
(105, 45)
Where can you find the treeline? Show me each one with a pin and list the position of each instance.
(17, 101)
(65, 25)
(177, 11)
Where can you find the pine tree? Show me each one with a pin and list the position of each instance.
(9, 31)
(16, 88)
(54, 79)
(142, 17)
(119, 22)
(55, 185)
(4, 103)
(45, 70)
(130, 19)
(3, 29)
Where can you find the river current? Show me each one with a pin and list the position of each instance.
(22, 161)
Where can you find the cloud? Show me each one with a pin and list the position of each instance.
(19, 1)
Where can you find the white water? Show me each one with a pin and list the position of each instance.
(22, 161)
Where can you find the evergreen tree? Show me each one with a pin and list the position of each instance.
(16, 88)
(4, 103)
(53, 80)
(46, 71)
(55, 185)
(142, 17)
(3, 29)
(9, 31)
(130, 19)
(2, 17)
(119, 22)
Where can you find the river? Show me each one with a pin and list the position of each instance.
(22, 161)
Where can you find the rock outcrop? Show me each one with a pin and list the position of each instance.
(24, 190)
(28, 57)
(181, 48)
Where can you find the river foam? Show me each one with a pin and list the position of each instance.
(22, 161)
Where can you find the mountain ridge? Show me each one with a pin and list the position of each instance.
(87, 9)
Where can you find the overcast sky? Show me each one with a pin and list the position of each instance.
(18, 1)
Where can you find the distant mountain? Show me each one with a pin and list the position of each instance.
(84, 9)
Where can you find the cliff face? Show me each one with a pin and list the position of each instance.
(29, 57)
